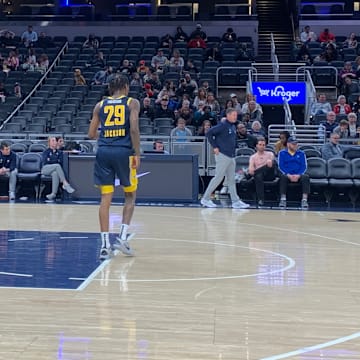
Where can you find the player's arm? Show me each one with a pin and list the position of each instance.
(134, 107)
(95, 123)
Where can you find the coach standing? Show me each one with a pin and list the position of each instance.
(222, 138)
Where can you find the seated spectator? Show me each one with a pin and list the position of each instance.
(332, 149)
(146, 109)
(206, 86)
(307, 35)
(44, 41)
(281, 144)
(330, 54)
(196, 42)
(326, 37)
(142, 69)
(181, 35)
(52, 160)
(347, 70)
(136, 80)
(200, 96)
(3, 93)
(354, 129)
(342, 129)
(27, 65)
(43, 62)
(148, 91)
(168, 89)
(257, 130)
(181, 131)
(177, 60)
(186, 113)
(244, 53)
(355, 107)
(248, 98)
(7, 39)
(29, 37)
(159, 60)
(191, 68)
(8, 168)
(254, 113)
(322, 106)
(304, 55)
(91, 42)
(162, 110)
(213, 54)
(262, 168)
(342, 108)
(13, 61)
(351, 42)
(97, 61)
(349, 87)
(292, 165)
(229, 36)
(18, 91)
(204, 113)
(127, 68)
(186, 86)
(159, 147)
(102, 77)
(204, 128)
(60, 143)
(329, 125)
(243, 138)
(79, 78)
(212, 103)
(229, 104)
(166, 42)
(200, 32)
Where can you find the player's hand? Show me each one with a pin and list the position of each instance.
(135, 162)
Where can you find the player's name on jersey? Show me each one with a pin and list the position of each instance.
(114, 132)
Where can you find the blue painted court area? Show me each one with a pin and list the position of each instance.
(45, 259)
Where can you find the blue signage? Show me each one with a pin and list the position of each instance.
(273, 93)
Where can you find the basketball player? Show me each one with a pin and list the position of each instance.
(118, 155)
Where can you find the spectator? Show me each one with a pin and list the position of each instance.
(191, 68)
(44, 41)
(332, 149)
(342, 108)
(79, 78)
(52, 160)
(158, 146)
(326, 37)
(3, 92)
(355, 107)
(43, 62)
(200, 32)
(243, 138)
(292, 165)
(136, 80)
(342, 129)
(142, 69)
(127, 68)
(254, 113)
(181, 35)
(149, 92)
(347, 70)
(349, 87)
(257, 130)
(8, 168)
(147, 110)
(307, 35)
(204, 113)
(181, 132)
(304, 55)
(102, 77)
(204, 128)
(329, 125)
(166, 42)
(155, 82)
(168, 89)
(18, 91)
(7, 39)
(212, 103)
(177, 60)
(91, 42)
(244, 53)
(196, 42)
(213, 54)
(229, 104)
(159, 60)
(353, 125)
(205, 84)
(162, 110)
(322, 106)
(261, 167)
(351, 42)
(13, 61)
(330, 54)
(29, 37)
(248, 98)
(229, 36)
(185, 113)
(97, 61)
(200, 96)
(281, 144)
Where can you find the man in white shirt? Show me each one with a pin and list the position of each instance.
(261, 167)
(307, 35)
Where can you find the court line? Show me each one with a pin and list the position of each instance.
(21, 239)
(73, 237)
(291, 264)
(314, 347)
(15, 274)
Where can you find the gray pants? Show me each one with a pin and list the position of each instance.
(225, 166)
(12, 176)
(57, 174)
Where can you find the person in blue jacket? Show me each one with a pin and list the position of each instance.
(292, 165)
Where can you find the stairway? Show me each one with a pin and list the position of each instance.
(273, 17)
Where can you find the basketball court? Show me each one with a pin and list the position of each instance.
(205, 284)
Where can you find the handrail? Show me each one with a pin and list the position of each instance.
(43, 78)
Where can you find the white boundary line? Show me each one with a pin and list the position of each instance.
(15, 274)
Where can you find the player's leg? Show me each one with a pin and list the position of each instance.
(104, 215)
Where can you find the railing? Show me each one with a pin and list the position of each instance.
(274, 58)
(311, 96)
(288, 116)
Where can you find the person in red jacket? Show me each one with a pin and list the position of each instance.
(197, 42)
(342, 107)
(326, 37)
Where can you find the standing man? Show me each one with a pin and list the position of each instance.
(8, 167)
(118, 155)
(292, 164)
(261, 167)
(222, 138)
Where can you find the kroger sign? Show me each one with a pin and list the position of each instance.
(274, 93)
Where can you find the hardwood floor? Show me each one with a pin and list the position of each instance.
(204, 284)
